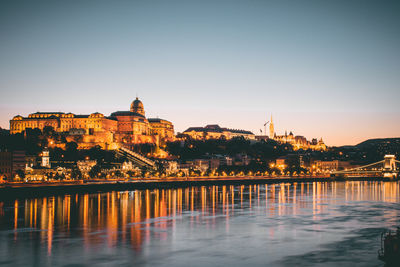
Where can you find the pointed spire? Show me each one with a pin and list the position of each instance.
(271, 128)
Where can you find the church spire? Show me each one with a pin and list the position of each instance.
(271, 129)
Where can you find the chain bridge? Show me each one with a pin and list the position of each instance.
(388, 167)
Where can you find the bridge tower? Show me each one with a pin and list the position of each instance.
(389, 163)
(389, 166)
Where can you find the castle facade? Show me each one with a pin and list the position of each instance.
(121, 127)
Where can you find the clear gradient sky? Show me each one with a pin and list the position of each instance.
(326, 69)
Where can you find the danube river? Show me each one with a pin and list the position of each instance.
(300, 224)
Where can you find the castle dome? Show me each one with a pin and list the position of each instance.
(137, 106)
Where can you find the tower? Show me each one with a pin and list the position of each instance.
(271, 129)
(45, 158)
(389, 162)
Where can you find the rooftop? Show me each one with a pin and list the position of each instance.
(126, 113)
(215, 128)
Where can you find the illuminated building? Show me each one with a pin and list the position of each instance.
(85, 166)
(332, 165)
(298, 141)
(164, 129)
(46, 174)
(45, 159)
(216, 132)
(271, 129)
(121, 127)
(280, 163)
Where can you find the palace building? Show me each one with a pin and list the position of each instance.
(121, 127)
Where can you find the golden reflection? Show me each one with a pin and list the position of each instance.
(258, 195)
(314, 198)
(35, 206)
(98, 208)
(50, 225)
(250, 196)
(131, 216)
(16, 214)
(241, 196)
(232, 197)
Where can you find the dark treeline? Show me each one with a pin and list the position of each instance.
(263, 151)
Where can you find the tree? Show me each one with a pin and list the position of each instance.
(131, 173)
(96, 153)
(143, 170)
(160, 167)
(94, 172)
(71, 146)
(71, 151)
(76, 174)
(48, 131)
(58, 176)
(21, 174)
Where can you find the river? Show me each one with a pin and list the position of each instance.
(300, 224)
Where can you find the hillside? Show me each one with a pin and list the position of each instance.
(381, 142)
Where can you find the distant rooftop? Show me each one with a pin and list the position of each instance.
(48, 113)
(215, 128)
(156, 120)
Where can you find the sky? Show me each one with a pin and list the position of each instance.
(327, 69)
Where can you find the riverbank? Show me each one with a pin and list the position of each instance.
(28, 190)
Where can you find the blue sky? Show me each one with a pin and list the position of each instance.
(323, 68)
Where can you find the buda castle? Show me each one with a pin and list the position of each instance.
(110, 132)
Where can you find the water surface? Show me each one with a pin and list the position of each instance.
(301, 224)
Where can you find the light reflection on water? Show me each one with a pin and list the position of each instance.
(284, 224)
